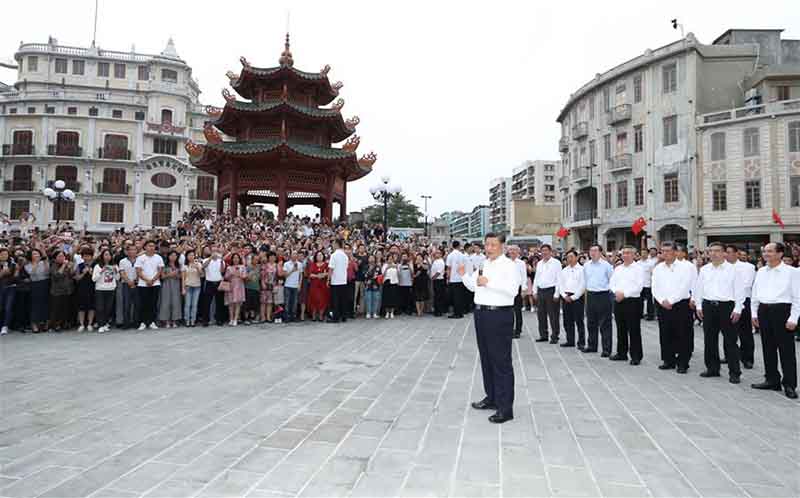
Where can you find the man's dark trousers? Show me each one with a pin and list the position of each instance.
(339, 301)
(457, 296)
(628, 315)
(546, 309)
(777, 340)
(598, 317)
(745, 329)
(673, 333)
(573, 317)
(439, 296)
(716, 319)
(518, 312)
(494, 337)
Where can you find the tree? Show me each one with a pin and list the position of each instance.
(401, 213)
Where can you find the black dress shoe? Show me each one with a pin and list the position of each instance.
(767, 386)
(605, 354)
(567, 345)
(635, 362)
(541, 339)
(682, 370)
(589, 350)
(734, 379)
(790, 392)
(747, 364)
(666, 366)
(437, 314)
(516, 335)
(455, 316)
(581, 347)
(484, 404)
(708, 373)
(331, 320)
(618, 357)
(553, 341)
(499, 418)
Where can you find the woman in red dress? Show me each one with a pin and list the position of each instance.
(318, 292)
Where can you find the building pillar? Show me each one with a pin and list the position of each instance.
(233, 205)
(327, 209)
(282, 195)
(138, 198)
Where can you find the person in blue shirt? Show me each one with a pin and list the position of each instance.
(597, 275)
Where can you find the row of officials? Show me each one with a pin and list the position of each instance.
(727, 294)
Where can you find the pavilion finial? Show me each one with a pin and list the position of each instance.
(286, 56)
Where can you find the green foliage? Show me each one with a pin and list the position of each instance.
(401, 213)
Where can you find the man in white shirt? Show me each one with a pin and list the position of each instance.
(522, 271)
(775, 305)
(571, 286)
(127, 289)
(718, 297)
(746, 273)
(672, 285)
(439, 284)
(213, 298)
(495, 286)
(337, 277)
(648, 262)
(455, 287)
(545, 294)
(626, 284)
(148, 271)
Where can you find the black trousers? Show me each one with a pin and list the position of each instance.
(628, 315)
(104, 306)
(439, 297)
(518, 312)
(598, 317)
(744, 327)
(406, 294)
(457, 297)
(339, 301)
(148, 296)
(350, 299)
(648, 309)
(775, 340)
(547, 309)
(573, 318)
(716, 319)
(218, 298)
(673, 333)
(494, 337)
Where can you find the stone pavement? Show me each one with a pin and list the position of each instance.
(374, 408)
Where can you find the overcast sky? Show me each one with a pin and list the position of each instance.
(450, 93)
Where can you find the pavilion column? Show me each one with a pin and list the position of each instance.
(282, 196)
(233, 206)
(343, 203)
(220, 204)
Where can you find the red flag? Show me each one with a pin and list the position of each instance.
(638, 225)
(777, 218)
(562, 233)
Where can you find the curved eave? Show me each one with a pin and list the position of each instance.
(214, 155)
(233, 113)
(255, 76)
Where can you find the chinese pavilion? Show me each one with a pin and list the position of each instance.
(280, 147)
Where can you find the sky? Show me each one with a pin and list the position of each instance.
(451, 94)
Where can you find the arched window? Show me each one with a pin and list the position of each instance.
(23, 142)
(163, 180)
(113, 181)
(115, 147)
(22, 178)
(69, 174)
(166, 116)
(718, 146)
(67, 143)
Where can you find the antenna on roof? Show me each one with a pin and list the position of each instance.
(676, 25)
(94, 33)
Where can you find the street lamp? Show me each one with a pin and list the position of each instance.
(426, 197)
(58, 195)
(383, 192)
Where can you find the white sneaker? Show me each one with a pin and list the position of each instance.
(102, 329)
(81, 328)
(90, 327)
(391, 315)
(153, 326)
(142, 326)
(4, 331)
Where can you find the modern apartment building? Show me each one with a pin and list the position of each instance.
(500, 205)
(628, 140)
(471, 226)
(111, 125)
(535, 180)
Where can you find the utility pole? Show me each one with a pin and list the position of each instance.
(426, 197)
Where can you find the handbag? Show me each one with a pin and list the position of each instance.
(224, 286)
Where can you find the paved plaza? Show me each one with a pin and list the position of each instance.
(374, 408)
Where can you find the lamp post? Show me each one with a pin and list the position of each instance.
(58, 195)
(426, 197)
(383, 192)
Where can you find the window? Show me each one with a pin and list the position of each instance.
(794, 136)
(637, 89)
(751, 146)
(548, 178)
(93, 111)
(669, 74)
(113, 181)
(783, 92)
(162, 214)
(638, 191)
(61, 66)
(638, 139)
(69, 175)
(166, 116)
(22, 178)
(23, 139)
(102, 69)
(119, 71)
(13, 110)
(72, 111)
(33, 63)
(592, 152)
(64, 210)
(752, 194)
(549, 167)
(622, 143)
(794, 187)
(671, 188)
(622, 193)
(607, 147)
(591, 107)
(139, 116)
(144, 73)
(116, 113)
(549, 188)
(607, 196)
(606, 100)
(719, 194)
(78, 67)
(670, 136)
(205, 188)
(169, 75)
(165, 146)
(717, 146)
(67, 143)
(19, 207)
(163, 180)
(31, 110)
(48, 109)
(111, 212)
(115, 147)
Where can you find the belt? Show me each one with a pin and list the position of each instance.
(598, 292)
(547, 289)
(773, 305)
(483, 307)
(716, 303)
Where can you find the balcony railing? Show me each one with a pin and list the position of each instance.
(621, 162)
(73, 185)
(563, 182)
(69, 150)
(114, 153)
(563, 144)
(580, 130)
(584, 214)
(19, 186)
(113, 188)
(619, 114)
(201, 195)
(771, 108)
(580, 175)
(18, 149)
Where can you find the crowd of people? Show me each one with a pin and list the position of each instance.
(217, 269)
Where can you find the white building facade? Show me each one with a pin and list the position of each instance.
(470, 226)
(500, 205)
(112, 126)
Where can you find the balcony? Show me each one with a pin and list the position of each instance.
(68, 150)
(563, 144)
(584, 215)
(202, 195)
(619, 113)
(18, 149)
(113, 188)
(19, 186)
(563, 182)
(748, 112)
(580, 175)
(73, 185)
(114, 153)
(580, 130)
(621, 163)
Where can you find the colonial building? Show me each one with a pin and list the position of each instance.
(628, 139)
(112, 125)
(470, 226)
